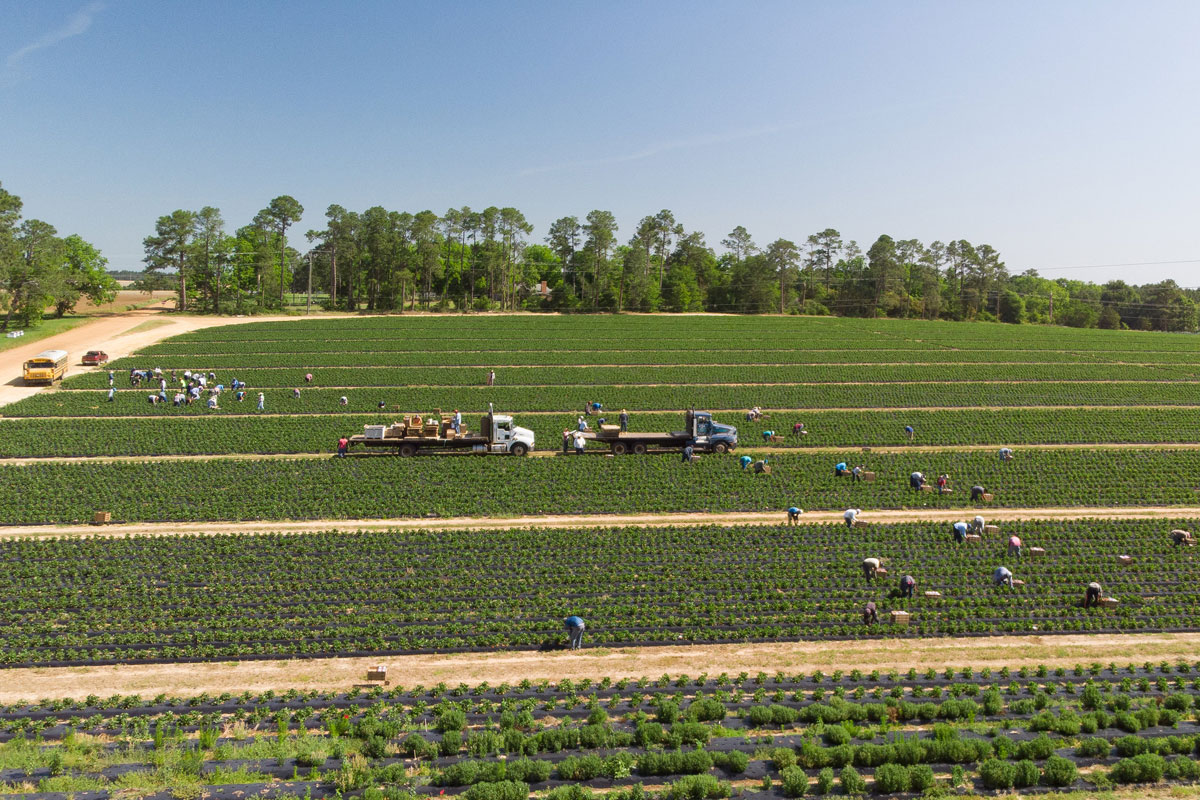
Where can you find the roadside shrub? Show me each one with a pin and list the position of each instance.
(733, 763)
(783, 757)
(528, 771)
(891, 778)
(1183, 768)
(572, 792)
(1059, 771)
(1130, 746)
(835, 735)
(706, 710)
(667, 712)
(451, 719)
(1038, 749)
(997, 774)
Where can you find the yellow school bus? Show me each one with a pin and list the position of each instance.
(46, 367)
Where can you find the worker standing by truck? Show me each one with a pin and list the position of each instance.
(580, 443)
(960, 532)
(575, 626)
(343, 446)
(907, 585)
(624, 420)
(1092, 596)
(457, 421)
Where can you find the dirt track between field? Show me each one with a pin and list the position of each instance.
(932, 515)
(498, 667)
(21, 461)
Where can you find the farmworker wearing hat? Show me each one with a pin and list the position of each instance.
(624, 420)
(1006, 454)
(1014, 545)
(977, 524)
(869, 567)
(960, 532)
(746, 460)
(688, 449)
(840, 469)
(1002, 576)
(574, 626)
(916, 480)
(851, 516)
(908, 429)
(1182, 538)
(580, 442)
(1092, 597)
(261, 401)
(870, 614)
(794, 515)
(857, 473)
(761, 466)
(767, 435)
(907, 584)
(977, 492)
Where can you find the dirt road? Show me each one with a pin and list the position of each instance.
(931, 515)
(343, 673)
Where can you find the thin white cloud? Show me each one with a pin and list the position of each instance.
(78, 24)
(663, 147)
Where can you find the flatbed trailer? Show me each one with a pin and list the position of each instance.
(436, 433)
(702, 432)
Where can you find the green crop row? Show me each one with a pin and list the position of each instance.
(170, 434)
(450, 485)
(675, 375)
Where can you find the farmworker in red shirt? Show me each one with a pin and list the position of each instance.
(907, 584)
(1014, 545)
(343, 446)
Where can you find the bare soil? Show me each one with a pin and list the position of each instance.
(993, 515)
(343, 673)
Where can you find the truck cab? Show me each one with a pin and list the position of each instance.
(505, 437)
(711, 435)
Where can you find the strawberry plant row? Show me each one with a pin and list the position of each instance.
(635, 398)
(94, 600)
(605, 376)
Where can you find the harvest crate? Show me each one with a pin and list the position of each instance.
(1125, 559)
(881, 571)
(101, 517)
(991, 528)
(868, 476)
(900, 617)
(973, 537)
(1018, 582)
(933, 594)
(1109, 602)
(377, 673)
(1037, 551)
(987, 497)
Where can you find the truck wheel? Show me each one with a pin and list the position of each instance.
(720, 447)
(639, 449)
(619, 448)
(407, 450)
(519, 449)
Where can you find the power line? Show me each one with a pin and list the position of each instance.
(1128, 264)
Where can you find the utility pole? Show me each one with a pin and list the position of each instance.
(1052, 308)
(308, 303)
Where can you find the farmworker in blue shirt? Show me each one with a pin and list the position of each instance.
(767, 435)
(908, 429)
(907, 584)
(916, 480)
(111, 392)
(687, 453)
(745, 461)
(574, 626)
(1002, 576)
(840, 469)
(794, 515)
(960, 532)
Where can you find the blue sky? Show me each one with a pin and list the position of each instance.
(1061, 133)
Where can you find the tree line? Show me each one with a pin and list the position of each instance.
(40, 270)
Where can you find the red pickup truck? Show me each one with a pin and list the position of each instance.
(94, 358)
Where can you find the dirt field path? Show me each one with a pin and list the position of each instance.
(932, 515)
(118, 334)
(343, 673)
